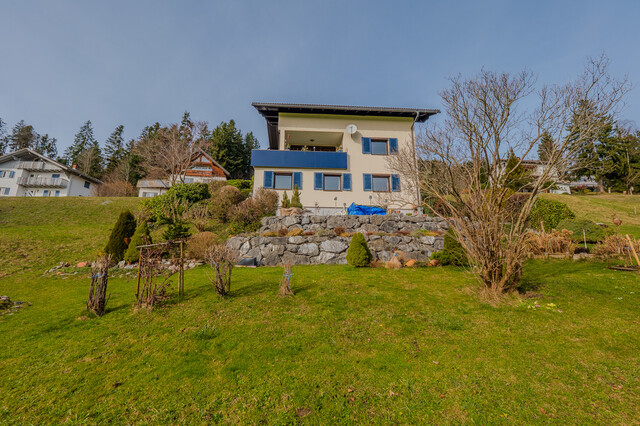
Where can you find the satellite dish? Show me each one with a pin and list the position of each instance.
(352, 129)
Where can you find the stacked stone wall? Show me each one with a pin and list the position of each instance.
(385, 235)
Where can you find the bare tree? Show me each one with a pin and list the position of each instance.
(168, 153)
(483, 123)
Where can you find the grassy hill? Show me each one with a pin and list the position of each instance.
(352, 345)
(600, 208)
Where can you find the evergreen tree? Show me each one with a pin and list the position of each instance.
(120, 235)
(295, 198)
(140, 237)
(358, 253)
(82, 141)
(285, 201)
(250, 143)
(545, 147)
(46, 146)
(3, 137)
(22, 136)
(114, 150)
(515, 176)
(228, 149)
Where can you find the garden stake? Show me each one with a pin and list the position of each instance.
(633, 249)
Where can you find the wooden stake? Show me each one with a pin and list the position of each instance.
(181, 277)
(139, 268)
(633, 250)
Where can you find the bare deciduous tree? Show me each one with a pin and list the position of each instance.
(168, 153)
(460, 162)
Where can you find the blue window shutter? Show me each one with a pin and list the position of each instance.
(318, 181)
(268, 179)
(366, 145)
(12, 174)
(393, 146)
(297, 179)
(366, 184)
(395, 183)
(346, 181)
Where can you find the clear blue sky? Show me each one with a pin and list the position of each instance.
(138, 62)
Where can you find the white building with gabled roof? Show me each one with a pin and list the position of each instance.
(26, 173)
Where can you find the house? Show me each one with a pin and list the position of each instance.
(202, 169)
(26, 173)
(562, 186)
(337, 155)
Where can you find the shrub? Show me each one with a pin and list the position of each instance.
(191, 192)
(339, 230)
(295, 198)
(122, 231)
(592, 231)
(453, 253)
(176, 231)
(199, 243)
(246, 216)
(115, 189)
(285, 201)
(550, 213)
(358, 254)
(223, 200)
(140, 237)
(550, 242)
(241, 183)
(222, 259)
(282, 232)
(198, 215)
(613, 245)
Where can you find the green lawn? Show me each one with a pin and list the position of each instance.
(353, 345)
(600, 207)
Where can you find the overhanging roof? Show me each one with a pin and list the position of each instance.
(271, 110)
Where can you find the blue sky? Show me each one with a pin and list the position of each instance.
(138, 62)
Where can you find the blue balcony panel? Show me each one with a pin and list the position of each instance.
(299, 159)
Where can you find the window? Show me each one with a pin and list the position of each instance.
(3, 173)
(379, 146)
(380, 183)
(55, 176)
(282, 181)
(148, 194)
(86, 184)
(332, 182)
(57, 193)
(46, 193)
(4, 191)
(188, 180)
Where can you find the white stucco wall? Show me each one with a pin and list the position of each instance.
(75, 184)
(357, 162)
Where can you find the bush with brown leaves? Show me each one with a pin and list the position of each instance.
(614, 245)
(198, 244)
(554, 242)
(115, 189)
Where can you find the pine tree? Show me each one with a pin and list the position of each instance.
(3, 137)
(22, 136)
(82, 141)
(228, 149)
(285, 201)
(121, 233)
(515, 177)
(545, 147)
(250, 143)
(46, 146)
(140, 237)
(114, 150)
(295, 198)
(358, 253)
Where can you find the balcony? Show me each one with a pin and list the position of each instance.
(34, 166)
(298, 159)
(42, 182)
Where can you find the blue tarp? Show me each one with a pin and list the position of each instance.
(356, 209)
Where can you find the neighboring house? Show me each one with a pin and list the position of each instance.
(562, 186)
(337, 155)
(203, 169)
(25, 173)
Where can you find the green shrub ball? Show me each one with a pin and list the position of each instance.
(358, 254)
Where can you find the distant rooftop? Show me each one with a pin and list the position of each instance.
(271, 110)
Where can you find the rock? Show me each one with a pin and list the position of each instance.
(410, 263)
(310, 249)
(393, 240)
(121, 264)
(289, 221)
(82, 265)
(290, 211)
(296, 240)
(295, 232)
(234, 243)
(133, 265)
(333, 246)
(324, 258)
(295, 259)
(271, 259)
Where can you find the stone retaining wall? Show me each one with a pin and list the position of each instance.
(326, 249)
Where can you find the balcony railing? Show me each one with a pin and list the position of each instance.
(42, 182)
(34, 165)
(299, 159)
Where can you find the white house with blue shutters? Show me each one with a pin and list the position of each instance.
(337, 155)
(26, 173)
